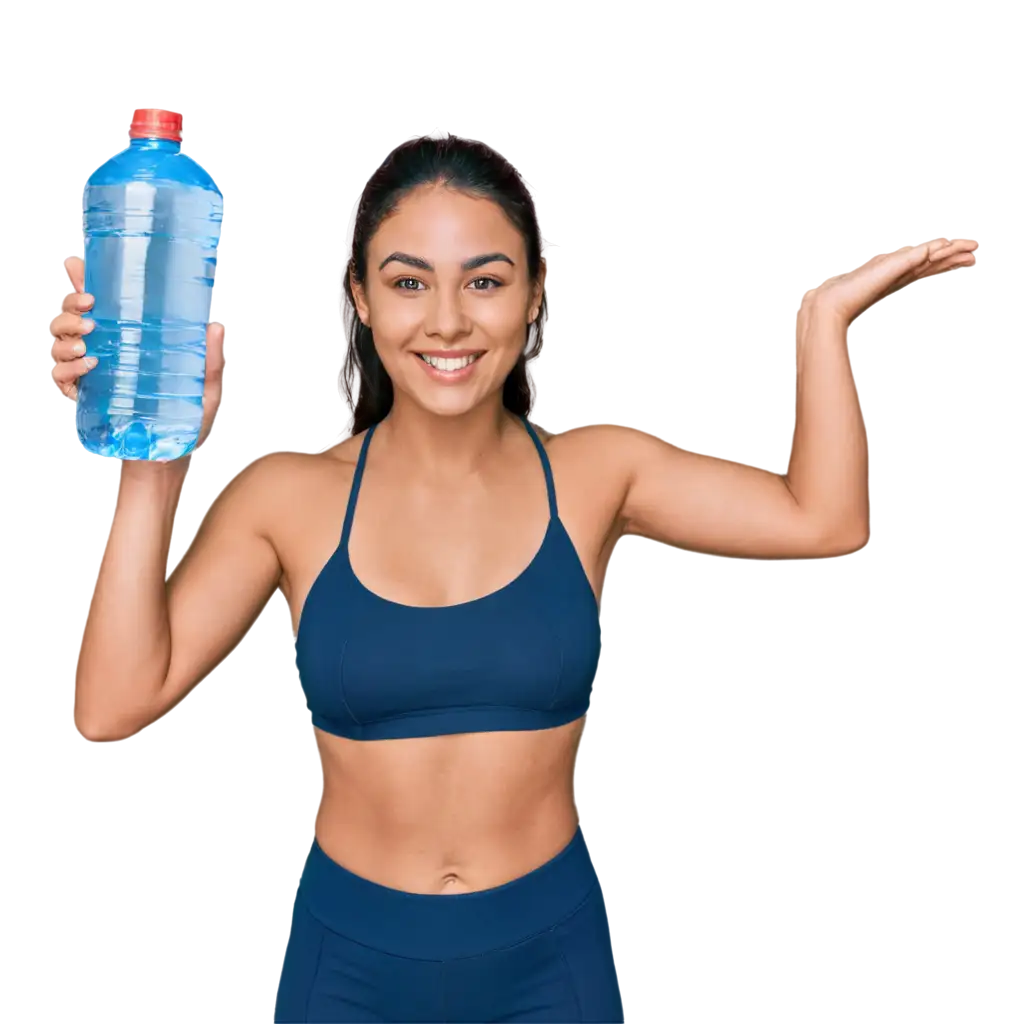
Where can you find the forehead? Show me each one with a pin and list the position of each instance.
(441, 224)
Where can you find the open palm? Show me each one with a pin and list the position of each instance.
(848, 295)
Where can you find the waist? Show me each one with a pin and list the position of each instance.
(480, 806)
(446, 925)
(445, 844)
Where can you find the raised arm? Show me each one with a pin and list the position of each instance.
(149, 640)
(819, 507)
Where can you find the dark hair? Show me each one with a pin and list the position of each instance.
(465, 165)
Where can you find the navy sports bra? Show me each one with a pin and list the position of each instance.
(522, 657)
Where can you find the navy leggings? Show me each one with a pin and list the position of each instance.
(534, 949)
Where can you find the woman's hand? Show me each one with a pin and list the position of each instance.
(71, 361)
(848, 295)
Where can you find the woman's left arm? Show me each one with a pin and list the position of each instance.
(819, 507)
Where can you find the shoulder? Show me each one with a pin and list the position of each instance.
(278, 483)
(605, 448)
(595, 468)
(277, 470)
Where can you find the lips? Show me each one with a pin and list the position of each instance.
(448, 363)
(449, 366)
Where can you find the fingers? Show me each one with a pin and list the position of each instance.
(950, 261)
(214, 349)
(851, 294)
(68, 330)
(954, 248)
(67, 348)
(70, 325)
(70, 370)
(914, 254)
(214, 361)
(75, 267)
(212, 386)
(76, 302)
(66, 373)
(932, 257)
(939, 248)
(940, 255)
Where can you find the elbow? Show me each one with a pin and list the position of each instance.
(846, 542)
(98, 731)
(102, 714)
(99, 728)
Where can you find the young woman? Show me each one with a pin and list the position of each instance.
(444, 567)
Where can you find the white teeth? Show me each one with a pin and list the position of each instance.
(448, 364)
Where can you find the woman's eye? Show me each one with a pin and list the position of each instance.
(400, 284)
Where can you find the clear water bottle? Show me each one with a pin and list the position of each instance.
(152, 220)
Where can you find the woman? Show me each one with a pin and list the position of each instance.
(443, 567)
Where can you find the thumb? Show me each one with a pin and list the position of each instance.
(213, 382)
(75, 267)
(214, 350)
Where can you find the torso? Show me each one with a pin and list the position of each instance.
(450, 813)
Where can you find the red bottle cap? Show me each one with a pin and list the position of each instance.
(150, 123)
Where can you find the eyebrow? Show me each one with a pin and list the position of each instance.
(422, 264)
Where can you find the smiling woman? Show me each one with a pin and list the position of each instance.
(448, 878)
(451, 184)
(449, 364)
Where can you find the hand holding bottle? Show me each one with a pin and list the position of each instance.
(71, 361)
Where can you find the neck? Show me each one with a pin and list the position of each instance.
(445, 446)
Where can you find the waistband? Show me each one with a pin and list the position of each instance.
(441, 926)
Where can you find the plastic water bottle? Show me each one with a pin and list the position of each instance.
(152, 220)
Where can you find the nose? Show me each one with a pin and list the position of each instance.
(445, 317)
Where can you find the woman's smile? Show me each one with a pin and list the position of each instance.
(450, 367)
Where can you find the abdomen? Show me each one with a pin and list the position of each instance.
(479, 808)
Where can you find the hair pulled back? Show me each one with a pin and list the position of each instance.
(429, 157)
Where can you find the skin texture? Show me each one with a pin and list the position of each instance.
(452, 507)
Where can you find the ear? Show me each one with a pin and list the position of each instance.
(538, 292)
(359, 298)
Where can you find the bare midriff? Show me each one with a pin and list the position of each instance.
(448, 814)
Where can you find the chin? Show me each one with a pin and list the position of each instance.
(448, 401)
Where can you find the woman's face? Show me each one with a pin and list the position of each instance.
(446, 279)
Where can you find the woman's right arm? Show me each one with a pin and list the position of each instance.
(148, 639)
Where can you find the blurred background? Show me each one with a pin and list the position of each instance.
(801, 780)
